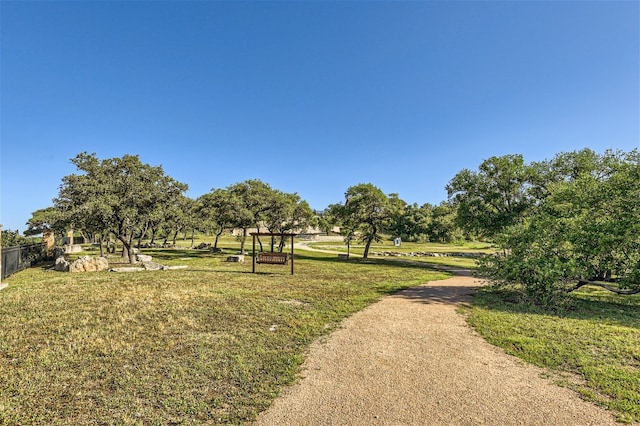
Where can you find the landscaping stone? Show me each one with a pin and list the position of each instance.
(151, 266)
(236, 258)
(171, 268)
(127, 269)
(61, 265)
(89, 264)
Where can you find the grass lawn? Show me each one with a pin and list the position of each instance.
(406, 248)
(210, 344)
(593, 349)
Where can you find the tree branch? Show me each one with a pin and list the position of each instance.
(626, 292)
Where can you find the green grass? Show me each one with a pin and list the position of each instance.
(593, 348)
(406, 248)
(210, 344)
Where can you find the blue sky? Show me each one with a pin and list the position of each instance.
(310, 97)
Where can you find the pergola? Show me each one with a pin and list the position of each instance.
(272, 258)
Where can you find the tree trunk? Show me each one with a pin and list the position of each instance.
(132, 255)
(193, 236)
(142, 234)
(242, 240)
(127, 250)
(101, 247)
(215, 243)
(366, 249)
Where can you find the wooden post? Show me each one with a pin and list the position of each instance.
(275, 258)
(291, 254)
(253, 255)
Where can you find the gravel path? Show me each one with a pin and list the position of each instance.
(411, 359)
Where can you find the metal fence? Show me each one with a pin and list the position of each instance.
(17, 258)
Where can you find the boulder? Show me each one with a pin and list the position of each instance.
(89, 264)
(151, 266)
(61, 264)
(143, 258)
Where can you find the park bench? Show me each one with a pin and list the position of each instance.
(272, 258)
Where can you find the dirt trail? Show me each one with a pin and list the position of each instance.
(411, 359)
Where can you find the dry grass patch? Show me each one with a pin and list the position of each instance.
(162, 347)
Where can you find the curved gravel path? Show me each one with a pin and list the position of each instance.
(411, 359)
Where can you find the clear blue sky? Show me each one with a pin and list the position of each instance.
(310, 97)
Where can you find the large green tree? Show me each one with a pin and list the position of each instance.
(115, 195)
(493, 197)
(44, 220)
(585, 229)
(251, 199)
(365, 213)
(287, 213)
(216, 211)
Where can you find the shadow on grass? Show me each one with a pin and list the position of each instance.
(400, 263)
(621, 312)
(448, 295)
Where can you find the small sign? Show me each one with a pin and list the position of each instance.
(397, 242)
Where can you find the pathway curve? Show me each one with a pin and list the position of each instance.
(411, 359)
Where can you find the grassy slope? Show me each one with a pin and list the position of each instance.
(594, 348)
(212, 343)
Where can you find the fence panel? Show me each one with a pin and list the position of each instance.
(17, 258)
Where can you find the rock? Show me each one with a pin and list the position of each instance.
(89, 264)
(143, 258)
(127, 269)
(61, 264)
(236, 258)
(171, 268)
(73, 248)
(152, 266)
(202, 246)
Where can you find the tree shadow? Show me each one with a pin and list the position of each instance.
(623, 312)
(398, 263)
(439, 294)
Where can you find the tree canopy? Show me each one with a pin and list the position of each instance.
(584, 227)
(365, 213)
(115, 195)
(492, 198)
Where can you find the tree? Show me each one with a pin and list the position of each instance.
(324, 221)
(250, 200)
(178, 216)
(116, 195)
(287, 213)
(443, 227)
(366, 211)
(217, 212)
(586, 230)
(493, 198)
(44, 220)
(13, 238)
(412, 222)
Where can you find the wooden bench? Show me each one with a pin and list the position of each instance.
(272, 258)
